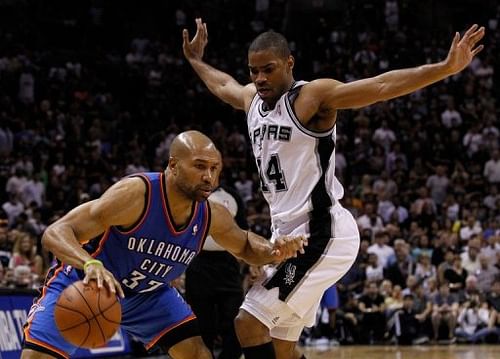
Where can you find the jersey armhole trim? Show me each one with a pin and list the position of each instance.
(299, 125)
(208, 223)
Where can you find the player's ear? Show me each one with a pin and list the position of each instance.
(290, 62)
(172, 164)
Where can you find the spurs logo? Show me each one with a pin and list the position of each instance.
(289, 273)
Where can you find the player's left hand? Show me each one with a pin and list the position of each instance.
(463, 50)
(287, 247)
(193, 50)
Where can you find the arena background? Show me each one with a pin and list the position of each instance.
(93, 90)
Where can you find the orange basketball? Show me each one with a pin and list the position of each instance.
(86, 316)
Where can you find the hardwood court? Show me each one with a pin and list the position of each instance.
(411, 352)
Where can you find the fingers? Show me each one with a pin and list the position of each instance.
(185, 37)
(471, 30)
(455, 41)
(476, 36)
(287, 247)
(473, 35)
(99, 279)
(477, 50)
(104, 278)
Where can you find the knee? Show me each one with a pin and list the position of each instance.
(203, 353)
(200, 351)
(246, 325)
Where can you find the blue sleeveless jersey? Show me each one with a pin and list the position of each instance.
(153, 252)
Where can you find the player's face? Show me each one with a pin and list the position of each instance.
(198, 174)
(271, 74)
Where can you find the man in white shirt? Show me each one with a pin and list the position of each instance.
(380, 248)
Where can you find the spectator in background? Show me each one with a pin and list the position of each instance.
(400, 265)
(23, 278)
(456, 275)
(493, 300)
(16, 182)
(396, 160)
(406, 324)
(24, 253)
(438, 185)
(424, 268)
(492, 200)
(491, 246)
(5, 245)
(371, 305)
(451, 118)
(13, 208)
(374, 271)
(385, 184)
(473, 140)
(349, 318)
(444, 311)
(381, 249)
(492, 168)
(474, 322)
(370, 219)
(470, 228)
(33, 191)
(470, 256)
(384, 136)
(486, 274)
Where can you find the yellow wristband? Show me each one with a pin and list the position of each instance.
(90, 262)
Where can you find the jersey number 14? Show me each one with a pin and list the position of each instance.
(272, 173)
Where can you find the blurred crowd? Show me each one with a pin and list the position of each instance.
(92, 92)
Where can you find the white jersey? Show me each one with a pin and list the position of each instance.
(297, 165)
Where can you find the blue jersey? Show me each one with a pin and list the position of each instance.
(153, 252)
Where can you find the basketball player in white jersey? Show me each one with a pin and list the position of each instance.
(292, 130)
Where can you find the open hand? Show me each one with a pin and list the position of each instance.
(287, 247)
(103, 276)
(463, 50)
(193, 50)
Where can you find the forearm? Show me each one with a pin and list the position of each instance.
(257, 251)
(402, 82)
(219, 83)
(62, 242)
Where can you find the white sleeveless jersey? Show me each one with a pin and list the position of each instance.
(296, 165)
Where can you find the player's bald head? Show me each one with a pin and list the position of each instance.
(191, 142)
(194, 165)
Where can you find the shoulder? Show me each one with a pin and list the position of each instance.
(129, 185)
(126, 193)
(320, 85)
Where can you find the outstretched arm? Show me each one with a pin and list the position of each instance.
(219, 83)
(247, 245)
(334, 95)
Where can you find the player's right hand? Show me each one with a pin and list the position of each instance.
(193, 50)
(286, 247)
(103, 276)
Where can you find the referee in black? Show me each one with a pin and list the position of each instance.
(214, 284)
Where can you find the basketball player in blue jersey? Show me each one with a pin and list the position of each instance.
(292, 131)
(139, 236)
